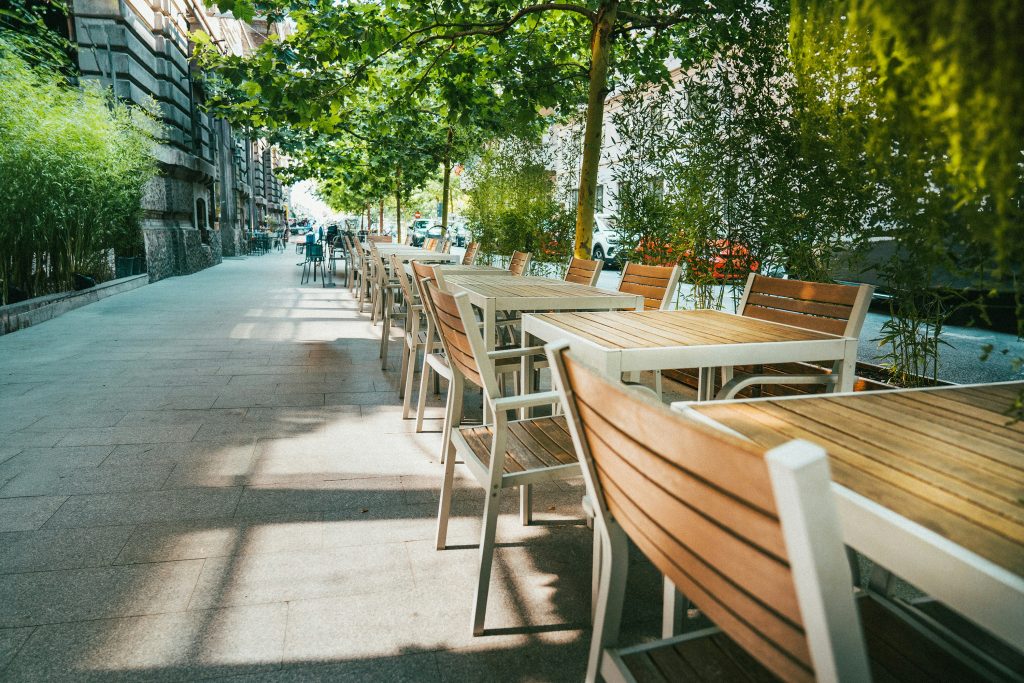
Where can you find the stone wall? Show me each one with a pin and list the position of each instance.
(141, 49)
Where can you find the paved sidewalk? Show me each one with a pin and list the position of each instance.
(210, 477)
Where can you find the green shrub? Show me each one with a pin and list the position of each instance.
(512, 205)
(73, 166)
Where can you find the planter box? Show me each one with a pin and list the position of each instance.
(13, 317)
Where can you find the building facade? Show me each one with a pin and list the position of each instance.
(215, 184)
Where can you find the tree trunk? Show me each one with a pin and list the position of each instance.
(446, 185)
(600, 53)
(398, 204)
(369, 219)
(382, 215)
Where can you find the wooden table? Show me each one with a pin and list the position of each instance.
(406, 253)
(492, 293)
(619, 342)
(929, 483)
(458, 269)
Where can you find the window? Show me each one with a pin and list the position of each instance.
(204, 234)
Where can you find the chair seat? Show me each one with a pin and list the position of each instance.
(537, 444)
(897, 652)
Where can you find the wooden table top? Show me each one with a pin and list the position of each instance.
(526, 287)
(662, 329)
(947, 458)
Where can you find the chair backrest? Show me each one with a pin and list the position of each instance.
(379, 238)
(431, 244)
(583, 271)
(657, 284)
(833, 309)
(752, 538)
(423, 273)
(519, 262)
(408, 291)
(469, 258)
(455, 335)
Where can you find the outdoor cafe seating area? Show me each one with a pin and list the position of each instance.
(804, 530)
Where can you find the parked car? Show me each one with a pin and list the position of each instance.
(725, 260)
(458, 232)
(418, 230)
(606, 241)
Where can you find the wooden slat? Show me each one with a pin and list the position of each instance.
(775, 315)
(528, 445)
(809, 291)
(656, 272)
(838, 311)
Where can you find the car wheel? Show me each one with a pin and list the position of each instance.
(599, 253)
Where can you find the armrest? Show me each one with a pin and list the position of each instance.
(516, 353)
(528, 401)
(641, 389)
(737, 385)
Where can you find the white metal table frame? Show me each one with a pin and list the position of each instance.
(984, 592)
(613, 361)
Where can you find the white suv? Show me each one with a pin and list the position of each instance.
(606, 240)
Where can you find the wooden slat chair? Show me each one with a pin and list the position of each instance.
(379, 239)
(657, 284)
(829, 308)
(415, 337)
(446, 247)
(501, 455)
(351, 263)
(469, 258)
(386, 303)
(519, 264)
(583, 271)
(434, 360)
(752, 538)
(430, 244)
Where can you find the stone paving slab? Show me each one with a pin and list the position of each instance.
(210, 478)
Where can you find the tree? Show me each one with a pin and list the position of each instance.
(501, 57)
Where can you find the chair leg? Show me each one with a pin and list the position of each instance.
(452, 418)
(657, 383)
(410, 377)
(483, 585)
(421, 398)
(526, 504)
(402, 386)
(611, 594)
(448, 481)
(595, 575)
(385, 332)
